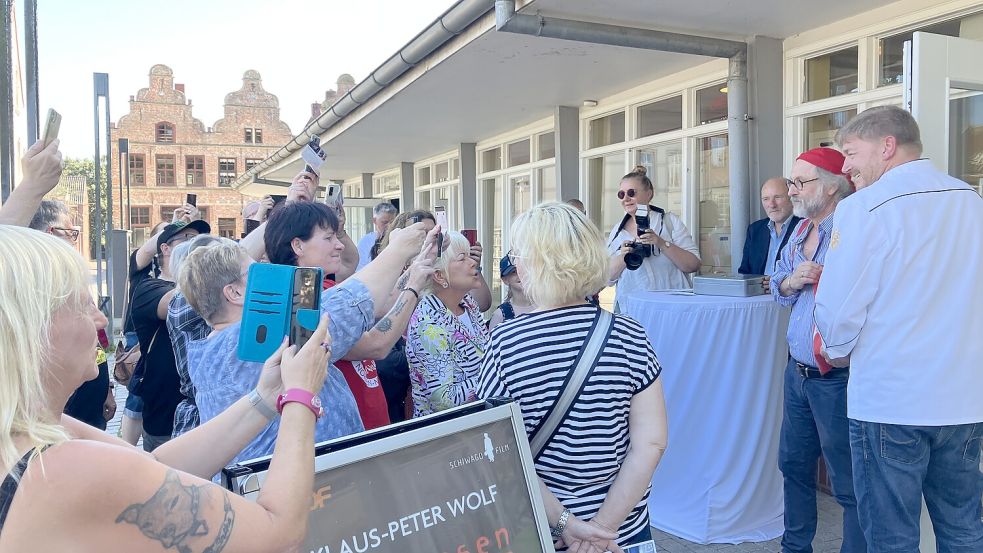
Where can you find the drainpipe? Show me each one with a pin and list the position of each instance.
(507, 20)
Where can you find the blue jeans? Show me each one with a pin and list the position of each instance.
(814, 422)
(894, 465)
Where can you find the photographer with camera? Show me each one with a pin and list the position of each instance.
(653, 245)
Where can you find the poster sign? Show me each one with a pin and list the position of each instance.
(463, 485)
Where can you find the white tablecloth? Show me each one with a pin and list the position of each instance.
(722, 363)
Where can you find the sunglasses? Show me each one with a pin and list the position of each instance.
(630, 193)
(70, 232)
(798, 183)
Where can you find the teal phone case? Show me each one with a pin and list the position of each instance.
(266, 316)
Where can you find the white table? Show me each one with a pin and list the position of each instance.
(722, 362)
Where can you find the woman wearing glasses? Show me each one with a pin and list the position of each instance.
(670, 253)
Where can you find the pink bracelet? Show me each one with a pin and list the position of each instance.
(303, 397)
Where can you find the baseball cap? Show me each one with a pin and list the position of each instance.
(505, 266)
(173, 229)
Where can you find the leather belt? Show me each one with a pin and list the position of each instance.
(806, 371)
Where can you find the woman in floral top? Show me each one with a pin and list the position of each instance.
(446, 337)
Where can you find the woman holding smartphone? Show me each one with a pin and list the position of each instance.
(106, 494)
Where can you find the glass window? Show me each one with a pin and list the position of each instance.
(891, 48)
(167, 212)
(423, 200)
(491, 233)
(257, 136)
(820, 129)
(252, 162)
(711, 104)
(664, 166)
(226, 171)
(491, 160)
(423, 176)
(662, 116)
(202, 214)
(455, 168)
(388, 184)
(604, 176)
(165, 170)
(249, 136)
(165, 133)
(521, 195)
(140, 216)
(519, 153)
(606, 130)
(227, 228)
(441, 171)
(966, 138)
(832, 74)
(137, 170)
(714, 198)
(546, 177)
(546, 143)
(194, 167)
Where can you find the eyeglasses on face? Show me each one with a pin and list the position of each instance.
(72, 233)
(630, 193)
(798, 183)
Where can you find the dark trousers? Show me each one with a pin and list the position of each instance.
(814, 422)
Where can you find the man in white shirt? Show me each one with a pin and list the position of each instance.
(914, 340)
(382, 214)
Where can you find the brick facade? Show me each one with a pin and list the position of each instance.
(180, 155)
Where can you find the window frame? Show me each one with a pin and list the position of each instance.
(158, 158)
(192, 173)
(164, 125)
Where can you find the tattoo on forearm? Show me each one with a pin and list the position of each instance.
(401, 283)
(385, 324)
(172, 517)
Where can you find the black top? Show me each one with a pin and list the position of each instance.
(87, 403)
(136, 276)
(161, 390)
(756, 245)
(9, 487)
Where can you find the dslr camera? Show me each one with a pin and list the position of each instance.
(639, 251)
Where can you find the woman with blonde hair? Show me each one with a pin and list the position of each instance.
(586, 382)
(104, 494)
(446, 337)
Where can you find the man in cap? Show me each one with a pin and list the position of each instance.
(814, 420)
(161, 385)
(766, 237)
(914, 340)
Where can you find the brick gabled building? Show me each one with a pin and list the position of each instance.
(172, 154)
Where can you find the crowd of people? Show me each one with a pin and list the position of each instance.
(403, 334)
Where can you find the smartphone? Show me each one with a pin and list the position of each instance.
(471, 234)
(415, 219)
(334, 197)
(644, 547)
(192, 199)
(278, 198)
(307, 295)
(440, 212)
(52, 125)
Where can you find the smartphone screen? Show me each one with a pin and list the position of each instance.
(644, 547)
(278, 198)
(192, 199)
(306, 295)
(440, 212)
(333, 197)
(52, 125)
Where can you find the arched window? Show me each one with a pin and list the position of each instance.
(164, 132)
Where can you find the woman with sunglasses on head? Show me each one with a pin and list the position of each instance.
(672, 253)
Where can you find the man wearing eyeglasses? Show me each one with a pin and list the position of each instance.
(53, 217)
(814, 412)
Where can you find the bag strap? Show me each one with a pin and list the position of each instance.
(587, 359)
(152, 340)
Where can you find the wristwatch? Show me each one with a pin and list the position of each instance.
(303, 397)
(257, 402)
(667, 245)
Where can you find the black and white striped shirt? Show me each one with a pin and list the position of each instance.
(530, 358)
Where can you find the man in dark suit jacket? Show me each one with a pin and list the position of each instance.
(765, 238)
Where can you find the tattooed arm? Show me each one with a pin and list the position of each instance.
(381, 273)
(377, 342)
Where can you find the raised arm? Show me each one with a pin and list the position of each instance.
(42, 170)
(380, 275)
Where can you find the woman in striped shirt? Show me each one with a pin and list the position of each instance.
(597, 466)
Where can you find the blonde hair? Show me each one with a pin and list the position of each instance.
(561, 253)
(39, 275)
(206, 272)
(456, 245)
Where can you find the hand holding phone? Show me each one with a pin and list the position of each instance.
(440, 212)
(192, 200)
(334, 197)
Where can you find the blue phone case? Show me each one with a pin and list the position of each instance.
(266, 314)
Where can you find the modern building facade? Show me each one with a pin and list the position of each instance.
(172, 154)
(488, 122)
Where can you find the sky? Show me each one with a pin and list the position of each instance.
(299, 47)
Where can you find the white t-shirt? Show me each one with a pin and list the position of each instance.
(365, 249)
(900, 294)
(657, 271)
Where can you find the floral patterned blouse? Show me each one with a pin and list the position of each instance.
(444, 355)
